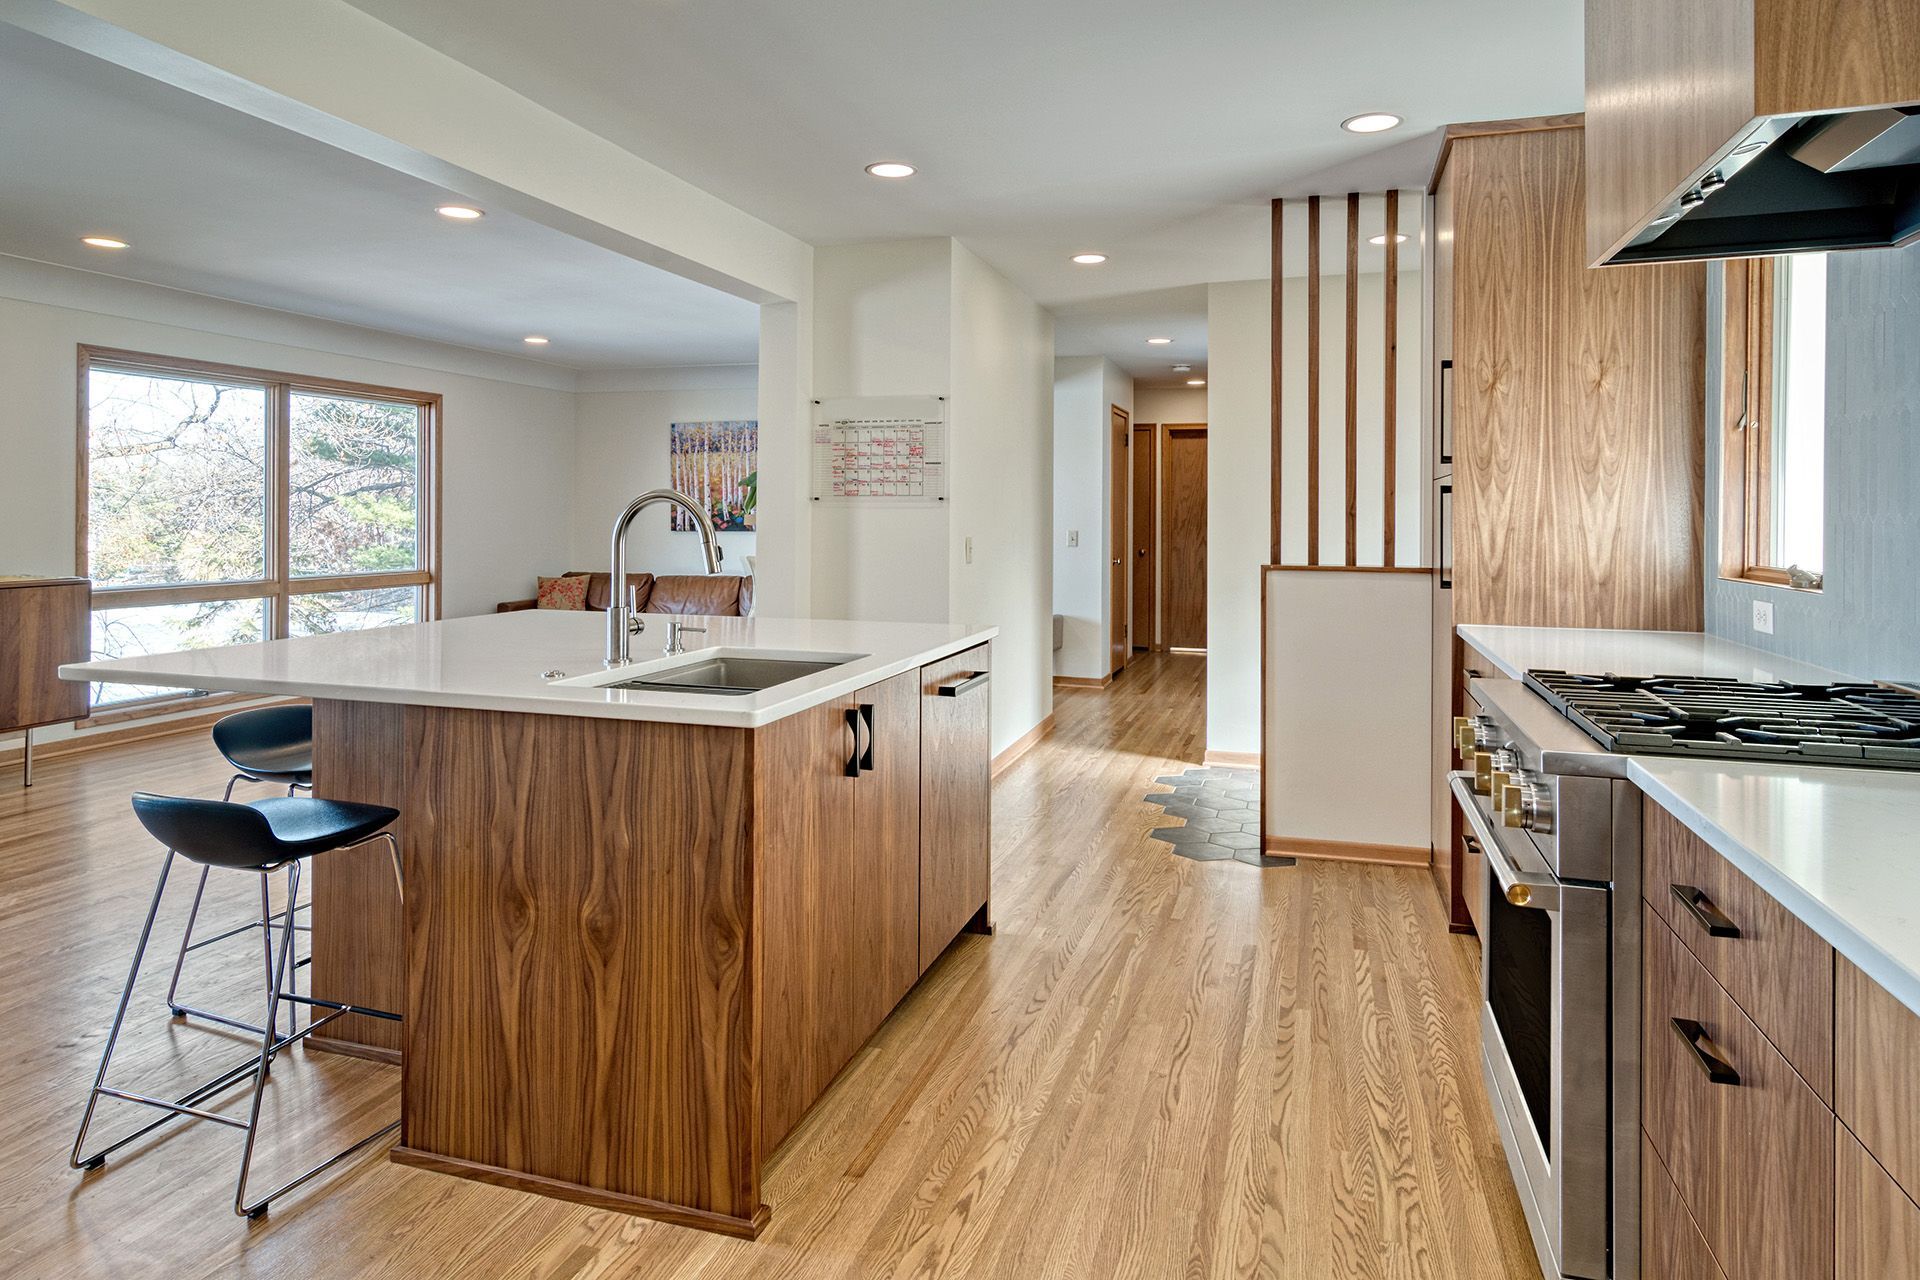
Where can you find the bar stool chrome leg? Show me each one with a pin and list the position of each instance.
(265, 924)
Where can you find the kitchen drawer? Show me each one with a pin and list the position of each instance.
(1876, 1075)
(1876, 1228)
(1779, 970)
(1671, 1246)
(1750, 1148)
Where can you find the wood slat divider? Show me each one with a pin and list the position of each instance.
(1313, 379)
(1277, 304)
(1353, 377)
(1390, 413)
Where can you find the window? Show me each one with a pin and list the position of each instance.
(1773, 437)
(227, 506)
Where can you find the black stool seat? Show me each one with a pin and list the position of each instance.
(270, 744)
(260, 835)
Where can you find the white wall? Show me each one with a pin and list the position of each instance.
(1239, 471)
(1161, 405)
(621, 451)
(882, 326)
(1001, 411)
(1085, 388)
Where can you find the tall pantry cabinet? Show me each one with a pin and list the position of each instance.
(1569, 416)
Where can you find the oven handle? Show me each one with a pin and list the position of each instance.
(1537, 888)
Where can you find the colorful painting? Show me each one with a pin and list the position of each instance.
(717, 465)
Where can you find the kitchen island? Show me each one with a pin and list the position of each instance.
(643, 928)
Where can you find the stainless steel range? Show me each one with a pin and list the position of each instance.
(1558, 827)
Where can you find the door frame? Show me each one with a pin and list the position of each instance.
(1120, 541)
(1166, 434)
(1146, 435)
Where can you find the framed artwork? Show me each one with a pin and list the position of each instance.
(717, 465)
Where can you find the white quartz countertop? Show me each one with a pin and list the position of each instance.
(1635, 653)
(1838, 847)
(497, 662)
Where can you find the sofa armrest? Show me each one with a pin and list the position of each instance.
(515, 606)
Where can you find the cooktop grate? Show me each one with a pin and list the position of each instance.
(1867, 725)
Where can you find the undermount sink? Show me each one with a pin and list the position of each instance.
(729, 675)
(722, 672)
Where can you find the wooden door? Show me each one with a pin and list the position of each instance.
(955, 797)
(886, 849)
(1145, 563)
(1183, 490)
(1119, 541)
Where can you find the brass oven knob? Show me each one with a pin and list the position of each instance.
(1482, 772)
(1513, 806)
(1500, 783)
(1463, 735)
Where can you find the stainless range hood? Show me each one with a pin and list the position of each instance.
(1839, 180)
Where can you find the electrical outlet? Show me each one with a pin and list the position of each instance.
(1763, 616)
(1073, 537)
(969, 550)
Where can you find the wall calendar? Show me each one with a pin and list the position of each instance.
(880, 450)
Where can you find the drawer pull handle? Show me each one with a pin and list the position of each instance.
(1705, 1051)
(1701, 908)
(972, 680)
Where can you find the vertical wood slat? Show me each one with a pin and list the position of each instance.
(1390, 389)
(1353, 378)
(1273, 389)
(1313, 379)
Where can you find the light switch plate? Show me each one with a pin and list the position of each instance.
(1073, 537)
(969, 550)
(1763, 616)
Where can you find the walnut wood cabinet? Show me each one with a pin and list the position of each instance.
(1750, 1024)
(1672, 88)
(44, 622)
(1569, 417)
(633, 954)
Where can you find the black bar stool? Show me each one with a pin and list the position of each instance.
(266, 744)
(260, 838)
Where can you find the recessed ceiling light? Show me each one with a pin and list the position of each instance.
(1371, 122)
(103, 242)
(1399, 237)
(535, 340)
(1183, 368)
(1196, 382)
(1089, 259)
(1159, 342)
(460, 212)
(890, 169)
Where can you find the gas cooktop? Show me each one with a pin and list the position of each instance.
(1867, 725)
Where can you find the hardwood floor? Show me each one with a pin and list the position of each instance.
(1158, 1067)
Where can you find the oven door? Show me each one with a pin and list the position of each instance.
(1545, 978)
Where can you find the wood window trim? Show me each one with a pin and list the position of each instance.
(1746, 425)
(279, 585)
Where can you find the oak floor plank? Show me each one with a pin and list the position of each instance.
(1156, 1068)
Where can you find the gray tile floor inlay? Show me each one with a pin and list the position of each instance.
(1219, 813)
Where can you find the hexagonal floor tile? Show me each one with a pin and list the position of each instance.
(1254, 858)
(1179, 835)
(1235, 840)
(1203, 852)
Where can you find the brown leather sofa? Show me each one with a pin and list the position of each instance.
(722, 594)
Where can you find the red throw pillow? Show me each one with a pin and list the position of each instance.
(562, 593)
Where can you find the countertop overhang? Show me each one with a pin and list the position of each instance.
(498, 662)
(1839, 847)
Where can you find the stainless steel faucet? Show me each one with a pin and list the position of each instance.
(623, 619)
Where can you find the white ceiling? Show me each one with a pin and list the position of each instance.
(1118, 328)
(216, 202)
(1153, 133)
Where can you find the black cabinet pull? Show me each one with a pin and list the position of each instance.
(1705, 914)
(853, 757)
(1705, 1052)
(959, 685)
(866, 757)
